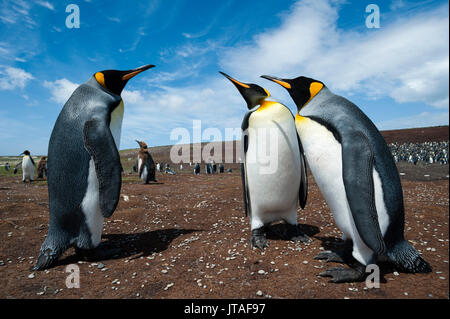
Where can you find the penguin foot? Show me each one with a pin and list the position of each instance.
(330, 256)
(259, 239)
(45, 260)
(339, 275)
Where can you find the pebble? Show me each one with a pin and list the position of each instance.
(169, 285)
(100, 266)
(305, 262)
(259, 293)
(164, 271)
(396, 273)
(31, 276)
(261, 272)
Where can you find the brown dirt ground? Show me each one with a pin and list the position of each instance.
(186, 237)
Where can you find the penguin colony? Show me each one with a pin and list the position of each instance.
(427, 153)
(349, 159)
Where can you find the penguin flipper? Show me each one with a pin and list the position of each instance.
(357, 171)
(100, 144)
(303, 191)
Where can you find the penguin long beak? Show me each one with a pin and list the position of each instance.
(236, 82)
(281, 82)
(131, 73)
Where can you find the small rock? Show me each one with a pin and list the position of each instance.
(100, 266)
(261, 272)
(259, 293)
(31, 276)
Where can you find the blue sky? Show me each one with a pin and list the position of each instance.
(398, 74)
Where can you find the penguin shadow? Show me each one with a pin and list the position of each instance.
(283, 231)
(338, 245)
(118, 246)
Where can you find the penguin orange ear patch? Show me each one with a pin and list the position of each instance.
(100, 77)
(314, 88)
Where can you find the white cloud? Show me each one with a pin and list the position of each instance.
(60, 89)
(46, 4)
(12, 78)
(423, 119)
(406, 59)
(114, 19)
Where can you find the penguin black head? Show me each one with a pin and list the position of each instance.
(114, 80)
(301, 89)
(142, 144)
(27, 152)
(253, 94)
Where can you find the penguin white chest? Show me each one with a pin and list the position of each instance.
(116, 123)
(27, 168)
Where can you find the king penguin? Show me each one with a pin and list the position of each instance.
(272, 187)
(84, 170)
(145, 164)
(356, 173)
(27, 167)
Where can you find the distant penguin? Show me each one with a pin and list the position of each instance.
(270, 195)
(356, 173)
(197, 169)
(7, 167)
(42, 167)
(145, 164)
(27, 167)
(221, 168)
(84, 170)
(181, 167)
(158, 167)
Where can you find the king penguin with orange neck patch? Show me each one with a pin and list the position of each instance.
(273, 186)
(84, 170)
(356, 174)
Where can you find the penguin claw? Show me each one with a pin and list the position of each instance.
(340, 275)
(259, 241)
(329, 256)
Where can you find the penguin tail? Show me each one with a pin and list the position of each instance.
(408, 258)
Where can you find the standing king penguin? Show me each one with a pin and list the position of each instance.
(145, 164)
(356, 173)
(27, 167)
(84, 170)
(270, 196)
